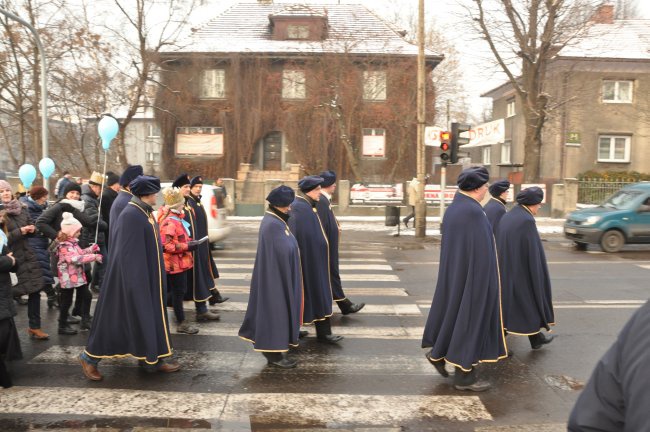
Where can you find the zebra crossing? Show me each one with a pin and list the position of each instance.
(227, 386)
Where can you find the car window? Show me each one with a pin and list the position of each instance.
(622, 199)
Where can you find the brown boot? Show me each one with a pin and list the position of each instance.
(90, 370)
(168, 367)
(38, 334)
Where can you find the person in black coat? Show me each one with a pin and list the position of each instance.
(495, 208)
(333, 233)
(9, 340)
(36, 203)
(314, 258)
(525, 281)
(274, 312)
(616, 397)
(130, 317)
(90, 197)
(464, 326)
(49, 222)
(109, 195)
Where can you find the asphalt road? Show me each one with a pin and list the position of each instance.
(377, 379)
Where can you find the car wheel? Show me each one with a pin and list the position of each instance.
(612, 241)
(581, 246)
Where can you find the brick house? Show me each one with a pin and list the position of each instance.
(599, 87)
(283, 89)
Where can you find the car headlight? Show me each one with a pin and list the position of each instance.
(592, 220)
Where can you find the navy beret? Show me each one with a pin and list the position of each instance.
(473, 178)
(130, 173)
(281, 196)
(329, 178)
(309, 183)
(530, 196)
(499, 187)
(145, 185)
(182, 180)
(196, 180)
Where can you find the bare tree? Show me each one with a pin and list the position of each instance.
(524, 36)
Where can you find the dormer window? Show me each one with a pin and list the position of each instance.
(295, 31)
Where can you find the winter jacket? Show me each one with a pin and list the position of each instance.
(49, 223)
(28, 272)
(174, 239)
(91, 210)
(108, 196)
(40, 242)
(71, 262)
(7, 304)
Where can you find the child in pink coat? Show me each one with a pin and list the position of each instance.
(71, 272)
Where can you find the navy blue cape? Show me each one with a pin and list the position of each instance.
(274, 312)
(200, 278)
(616, 397)
(130, 317)
(464, 326)
(494, 210)
(332, 231)
(527, 300)
(314, 259)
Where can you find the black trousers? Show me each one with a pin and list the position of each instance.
(410, 216)
(176, 288)
(83, 296)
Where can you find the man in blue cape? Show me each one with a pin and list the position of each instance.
(314, 258)
(124, 196)
(333, 232)
(527, 299)
(202, 253)
(130, 317)
(496, 206)
(200, 280)
(274, 313)
(464, 326)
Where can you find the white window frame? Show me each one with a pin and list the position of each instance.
(373, 145)
(617, 91)
(297, 32)
(506, 152)
(213, 84)
(152, 129)
(374, 85)
(511, 110)
(486, 155)
(293, 84)
(612, 148)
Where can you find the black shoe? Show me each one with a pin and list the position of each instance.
(216, 298)
(302, 334)
(438, 364)
(52, 302)
(510, 353)
(347, 307)
(284, 363)
(67, 330)
(72, 319)
(330, 338)
(21, 300)
(477, 386)
(539, 339)
(85, 324)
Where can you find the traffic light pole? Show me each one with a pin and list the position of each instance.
(420, 205)
(443, 186)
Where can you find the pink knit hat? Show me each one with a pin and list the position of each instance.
(70, 226)
(4, 184)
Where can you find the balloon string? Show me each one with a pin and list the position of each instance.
(101, 193)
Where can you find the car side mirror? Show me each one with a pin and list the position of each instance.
(644, 208)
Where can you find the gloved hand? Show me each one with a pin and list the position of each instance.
(66, 207)
(99, 258)
(192, 245)
(94, 248)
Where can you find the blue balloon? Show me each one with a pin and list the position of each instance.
(46, 166)
(27, 174)
(108, 129)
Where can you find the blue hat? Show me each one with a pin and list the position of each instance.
(130, 173)
(196, 180)
(329, 178)
(181, 180)
(473, 178)
(309, 183)
(530, 196)
(145, 185)
(281, 196)
(499, 187)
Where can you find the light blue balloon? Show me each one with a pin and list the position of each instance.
(46, 167)
(27, 174)
(108, 129)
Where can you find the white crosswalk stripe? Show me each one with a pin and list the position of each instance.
(377, 267)
(370, 309)
(344, 277)
(356, 291)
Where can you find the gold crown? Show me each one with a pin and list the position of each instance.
(96, 178)
(173, 196)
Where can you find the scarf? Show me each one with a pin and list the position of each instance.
(13, 207)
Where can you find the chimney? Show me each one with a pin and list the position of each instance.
(604, 14)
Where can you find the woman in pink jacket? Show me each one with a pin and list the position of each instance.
(71, 272)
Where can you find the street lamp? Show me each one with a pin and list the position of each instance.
(44, 143)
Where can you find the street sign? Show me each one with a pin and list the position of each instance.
(432, 136)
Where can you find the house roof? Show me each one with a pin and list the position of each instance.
(246, 28)
(623, 39)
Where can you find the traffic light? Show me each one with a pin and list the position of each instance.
(445, 140)
(457, 140)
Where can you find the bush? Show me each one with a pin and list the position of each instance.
(614, 176)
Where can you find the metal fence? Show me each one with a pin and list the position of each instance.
(595, 191)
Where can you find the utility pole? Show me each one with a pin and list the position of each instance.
(41, 51)
(420, 205)
(443, 171)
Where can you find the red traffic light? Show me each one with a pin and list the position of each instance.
(444, 146)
